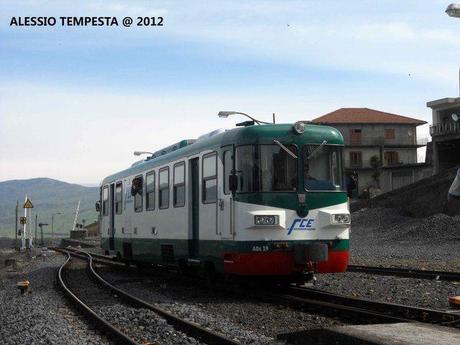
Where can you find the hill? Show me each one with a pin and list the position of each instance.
(48, 196)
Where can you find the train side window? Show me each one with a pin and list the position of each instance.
(179, 185)
(209, 183)
(137, 191)
(150, 191)
(118, 197)
(228, 166)
(105, 201)
(163, 189)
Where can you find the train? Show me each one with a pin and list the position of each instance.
(258, 200)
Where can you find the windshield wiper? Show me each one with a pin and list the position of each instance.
(317, 149)
(292, 154)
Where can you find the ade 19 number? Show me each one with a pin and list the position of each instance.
(149, 21)
(260, 248)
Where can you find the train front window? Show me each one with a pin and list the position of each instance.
(322, 167)
(266, 168)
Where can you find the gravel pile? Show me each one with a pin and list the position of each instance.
(243, 319)
(41, 316)
(416, 292)
(382, 236)
(387, 224)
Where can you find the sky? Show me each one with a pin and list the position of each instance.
(75, 102)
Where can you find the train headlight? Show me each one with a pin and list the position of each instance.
(341, 218)
(299, 127)
(266, 220)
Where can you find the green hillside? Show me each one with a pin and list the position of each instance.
(48, 196)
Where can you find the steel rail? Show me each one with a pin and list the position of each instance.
(190, 328)
(406, 272)
(111, 331)
(391, 310)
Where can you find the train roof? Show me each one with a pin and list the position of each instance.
(257, 134)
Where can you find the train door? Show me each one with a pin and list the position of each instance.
(194, 204)
(112, 217)
(225, 203)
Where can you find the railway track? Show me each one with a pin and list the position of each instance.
(366, 310)
(356, 309)
(96, 298)
(406, 272)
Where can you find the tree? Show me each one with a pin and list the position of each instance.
(376, 164)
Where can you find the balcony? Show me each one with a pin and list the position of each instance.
(381, 141)
(445, 129)
(356, 165)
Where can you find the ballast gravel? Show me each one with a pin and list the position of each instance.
(42, 315)
(145, 326)
(142, 325)
(432, 294)
(244, 319)
(384, 237)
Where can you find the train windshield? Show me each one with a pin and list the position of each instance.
(266, 168)
(322, 167)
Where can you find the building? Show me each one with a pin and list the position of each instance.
(445, 133)
(380, 148)
(93, 229)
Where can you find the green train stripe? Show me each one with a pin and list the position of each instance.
(314, 200)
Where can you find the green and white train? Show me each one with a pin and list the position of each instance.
(260, 200)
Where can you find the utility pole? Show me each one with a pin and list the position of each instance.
(36, 222)
(16, 226)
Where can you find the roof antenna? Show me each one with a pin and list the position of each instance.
(274, 113)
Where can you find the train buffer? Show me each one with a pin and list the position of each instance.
(413, 333)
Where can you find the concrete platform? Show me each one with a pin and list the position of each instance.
(378, 334)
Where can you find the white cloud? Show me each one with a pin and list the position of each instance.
(353, 37)
(84, 135)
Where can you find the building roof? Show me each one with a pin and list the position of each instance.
(443, 102)
(365, 115)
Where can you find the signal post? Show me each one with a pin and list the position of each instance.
(27, 223)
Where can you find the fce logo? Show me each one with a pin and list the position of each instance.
(301, 224)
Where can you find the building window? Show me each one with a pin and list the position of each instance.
(356, 159)
(209, 178)
(355, 136)
(136, 191)
(150, 191)
(391, 158)
(105, 201)
(389, 133)
(179, 185)
(118, 197)
(228, 166)
(163, 188)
